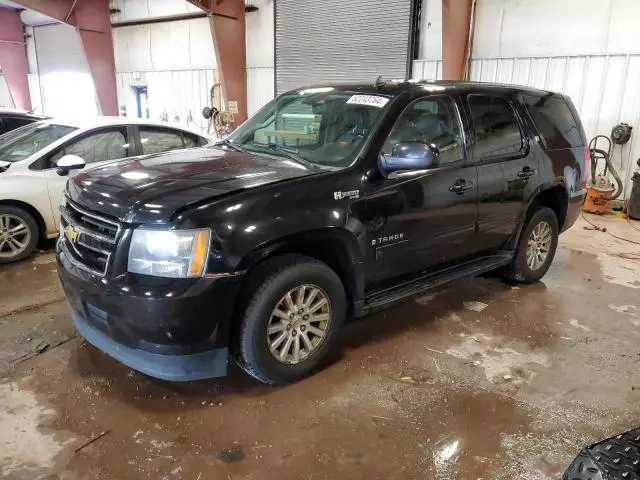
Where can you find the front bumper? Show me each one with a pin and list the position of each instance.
(196, 366)
(170, 329)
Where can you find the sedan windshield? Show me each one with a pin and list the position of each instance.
(25, 141)
(321, 127)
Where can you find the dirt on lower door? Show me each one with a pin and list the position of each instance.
(478, 380)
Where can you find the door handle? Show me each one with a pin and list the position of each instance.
(527, 172)
(460, 187)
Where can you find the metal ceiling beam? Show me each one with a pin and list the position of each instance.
(457, 30)
(93, 23)
(13, 57)
(227, 22)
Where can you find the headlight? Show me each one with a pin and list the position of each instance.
(169, 253)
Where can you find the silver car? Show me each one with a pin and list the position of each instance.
(31, 189)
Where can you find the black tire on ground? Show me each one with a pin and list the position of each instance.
(32, 226)
(266, 286)
(519, 270)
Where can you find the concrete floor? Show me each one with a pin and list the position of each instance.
(432, 389)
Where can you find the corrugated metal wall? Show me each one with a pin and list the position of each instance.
(604, 88)
(260, 88)
(177, 95)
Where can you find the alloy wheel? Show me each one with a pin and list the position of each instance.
(538, 246)
(298, 324)
(14, 235)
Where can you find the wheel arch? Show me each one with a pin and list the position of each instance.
(42, 228)
(556, 197)
(336, 247)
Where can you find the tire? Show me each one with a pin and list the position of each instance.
(520, 269)
(266, 288)
(10, 218)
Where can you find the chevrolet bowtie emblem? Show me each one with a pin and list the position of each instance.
(71, 233)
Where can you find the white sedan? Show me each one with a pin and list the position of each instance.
(30, 187)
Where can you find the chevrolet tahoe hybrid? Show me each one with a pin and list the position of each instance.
(330, 202)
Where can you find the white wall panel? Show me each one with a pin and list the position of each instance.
(427, 69)
(145, 9)
(260, 35)
(6, 101)
(260, 88)
(431, 29)
(179, 45)
(35, 93)
(178, 96)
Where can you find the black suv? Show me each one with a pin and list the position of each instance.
(330, 202)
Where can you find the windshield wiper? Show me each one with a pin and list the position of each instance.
(227, 143)
(291, 153)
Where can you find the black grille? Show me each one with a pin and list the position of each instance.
(89, 239)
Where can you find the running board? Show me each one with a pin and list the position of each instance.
(385, 297)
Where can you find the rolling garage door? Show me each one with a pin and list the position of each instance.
(337, 41)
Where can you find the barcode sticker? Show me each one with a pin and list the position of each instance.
(370, 100)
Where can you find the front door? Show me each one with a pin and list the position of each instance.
(425, 219)
(507, 168)
(95, 148)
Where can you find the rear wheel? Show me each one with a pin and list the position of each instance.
(19, 234)
(292, 318)
(536, 248)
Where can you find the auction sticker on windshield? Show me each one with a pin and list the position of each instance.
(370, 100)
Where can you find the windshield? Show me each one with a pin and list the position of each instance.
(25, 141)
(319, 126)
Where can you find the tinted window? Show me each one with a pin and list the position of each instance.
(158, 140)
(433, 121)
(554, 121)
(24, 142)
(496, 129)
(9, 123)
(97, 147)
(191, 140)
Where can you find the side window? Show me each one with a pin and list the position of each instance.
(432, 120)
(191, 140)
(158, 140)
(554, 122)
(97, 146)
(495, 126)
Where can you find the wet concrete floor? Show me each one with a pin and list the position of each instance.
(480, 380)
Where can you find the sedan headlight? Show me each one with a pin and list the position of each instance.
(169, 253)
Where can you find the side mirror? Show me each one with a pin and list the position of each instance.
(409, 156)
(68, 163)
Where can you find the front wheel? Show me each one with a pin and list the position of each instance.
(536, 248)
(19, 234)
(291, 320)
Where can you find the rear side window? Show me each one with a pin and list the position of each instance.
(555, 122)
(497, 132)
(158, 140)
(191, 140)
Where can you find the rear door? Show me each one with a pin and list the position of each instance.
(423, 219)
(507, 170)
(95, 147)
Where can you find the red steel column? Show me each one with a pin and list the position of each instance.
(456, 28)
(13, 57)
(93, 23)
(229, 43)
(227, 21)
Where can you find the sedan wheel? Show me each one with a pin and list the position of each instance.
(15, 236)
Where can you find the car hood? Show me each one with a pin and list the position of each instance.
(151, 189)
